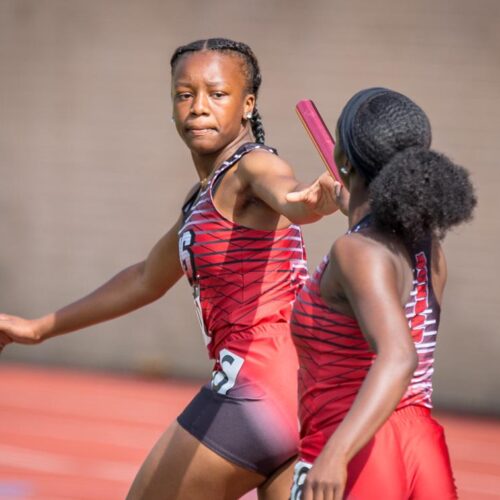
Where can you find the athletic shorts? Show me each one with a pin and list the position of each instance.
(407, 459)
(248, 413)
(248, 433)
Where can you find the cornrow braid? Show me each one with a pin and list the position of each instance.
(257, 127)
(252, 70)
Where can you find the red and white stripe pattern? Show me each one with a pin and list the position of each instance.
(241, 277)
(422, 312)
(335, 357)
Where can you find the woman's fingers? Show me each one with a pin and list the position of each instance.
(4, 340)
(324, 196)
(297, 196)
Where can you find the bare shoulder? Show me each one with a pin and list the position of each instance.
(261, 161)
(358, 247)
(358, 255)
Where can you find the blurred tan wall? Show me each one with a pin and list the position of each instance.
(92, 172)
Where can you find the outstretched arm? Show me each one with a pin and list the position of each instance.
(320, 194)
(369, 279)
(271, 179)
(130, 289)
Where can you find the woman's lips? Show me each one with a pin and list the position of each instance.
(198, 131)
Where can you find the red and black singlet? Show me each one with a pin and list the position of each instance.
(244, 284)
(334, 356)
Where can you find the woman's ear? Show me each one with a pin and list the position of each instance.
(248, 106)
(346, 168)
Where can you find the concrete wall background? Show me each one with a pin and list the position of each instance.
(92, 172)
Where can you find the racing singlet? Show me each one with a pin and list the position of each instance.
(244, 284)
(334, 356)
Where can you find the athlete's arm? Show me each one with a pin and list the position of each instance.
(271, 179)
(370, 281)
(132, 288)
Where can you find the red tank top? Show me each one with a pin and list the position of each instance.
(242, 278)
(334, 356)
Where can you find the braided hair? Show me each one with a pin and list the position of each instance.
(414, 191)
(251, 65)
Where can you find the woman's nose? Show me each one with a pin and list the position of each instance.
(199, 104)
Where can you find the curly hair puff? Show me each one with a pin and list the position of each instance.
(420, 193)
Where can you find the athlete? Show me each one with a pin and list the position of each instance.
(365, 324)
(238, 243)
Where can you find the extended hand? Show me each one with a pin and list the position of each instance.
(326, 480)
(325, 195)
(14, 329)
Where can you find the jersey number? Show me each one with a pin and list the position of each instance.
(299, 477)
(225, 378)
(186, 255)
(187, 263)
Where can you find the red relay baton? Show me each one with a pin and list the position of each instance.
(319, 134)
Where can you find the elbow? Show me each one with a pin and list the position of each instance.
(157, 292)
(404, 362)
(408, 362)
(153, 291)
(411, 363)
(148, 289)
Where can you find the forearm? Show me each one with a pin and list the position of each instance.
(124, 293)
(380, 393)
(303, 217)
(272, 181)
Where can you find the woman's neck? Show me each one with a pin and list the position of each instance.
(359, 203)
(206, 164)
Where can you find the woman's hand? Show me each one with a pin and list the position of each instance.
(4, 340)
(324, 196)
(19, 330)
(326, 480)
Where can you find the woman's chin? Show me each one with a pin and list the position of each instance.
(203, 144)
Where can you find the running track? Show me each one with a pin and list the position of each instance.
(82, 436)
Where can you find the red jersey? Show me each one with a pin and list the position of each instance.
(335, 357)
(244, 280)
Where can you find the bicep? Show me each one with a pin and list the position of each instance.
(269, 177)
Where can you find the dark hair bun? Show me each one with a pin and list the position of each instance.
(421, 193)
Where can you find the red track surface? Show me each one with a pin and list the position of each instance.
(82, 436)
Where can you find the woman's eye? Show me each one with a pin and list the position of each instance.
(218, 95)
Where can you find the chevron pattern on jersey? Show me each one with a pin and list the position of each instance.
(335, 357)
(243, 277)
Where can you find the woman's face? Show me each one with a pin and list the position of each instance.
(210, 100)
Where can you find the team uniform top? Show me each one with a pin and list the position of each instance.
(244, 280)
(335, 357)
